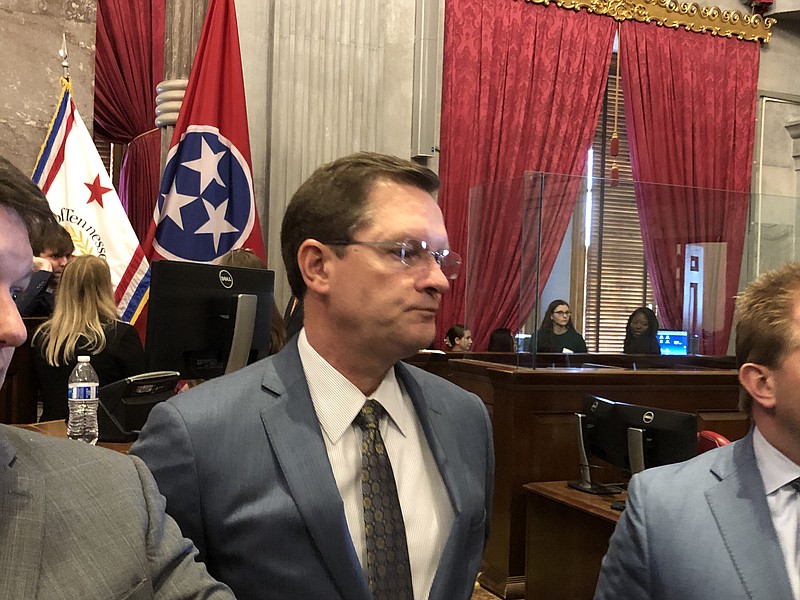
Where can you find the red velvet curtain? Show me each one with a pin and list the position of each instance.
(129, 64)
(690, 108)
(522, 89)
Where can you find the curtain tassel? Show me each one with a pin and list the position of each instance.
(614, 146)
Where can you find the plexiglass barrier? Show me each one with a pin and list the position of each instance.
(606, 250)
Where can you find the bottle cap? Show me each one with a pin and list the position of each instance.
(83, 358)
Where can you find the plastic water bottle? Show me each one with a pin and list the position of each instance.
(82, 399)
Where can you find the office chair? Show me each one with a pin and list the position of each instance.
(708, 440)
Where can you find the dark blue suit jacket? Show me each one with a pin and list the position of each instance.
(243, 465)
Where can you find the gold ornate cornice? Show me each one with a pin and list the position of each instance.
(669, 13)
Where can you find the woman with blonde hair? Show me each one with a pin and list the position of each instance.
(84, 321)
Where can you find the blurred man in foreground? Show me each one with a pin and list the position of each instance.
(75, 521)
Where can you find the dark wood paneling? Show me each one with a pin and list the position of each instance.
(535, 432)
(566, 538)
(18, 396)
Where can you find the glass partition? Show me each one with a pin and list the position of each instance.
(605, 248)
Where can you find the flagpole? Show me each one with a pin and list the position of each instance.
(80, 192)
(63, 54)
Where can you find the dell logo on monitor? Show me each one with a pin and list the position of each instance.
(226, 279)
(648, 416)
(594, 405)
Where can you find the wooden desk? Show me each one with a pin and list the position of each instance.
(59, 429)
(566, 538)
(535, 434)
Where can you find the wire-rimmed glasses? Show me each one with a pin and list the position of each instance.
(412, 253)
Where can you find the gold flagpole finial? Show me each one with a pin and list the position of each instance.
(63, 55)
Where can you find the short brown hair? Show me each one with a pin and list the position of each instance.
(765, 330)
(53, 237)
(20, 195)
(332, 204)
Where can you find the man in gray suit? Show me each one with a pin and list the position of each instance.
(725, 524)
(267, 469)
(75, 521)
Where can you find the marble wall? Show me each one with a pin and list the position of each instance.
(323, 78)
(775, 206)
(31, 34)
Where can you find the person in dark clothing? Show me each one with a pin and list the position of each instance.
(52, 248)
(502, 340)
(640, 333)
(84, 322)
(557, 333)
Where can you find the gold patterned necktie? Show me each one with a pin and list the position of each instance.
(388, 569)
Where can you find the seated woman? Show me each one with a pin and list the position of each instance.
(458, 338)
(84, 321)
(557, 333)
(502, 340)
(640, 333)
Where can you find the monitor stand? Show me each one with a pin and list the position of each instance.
(584, 484)
(635, 458)
(636, 450)
(245, 306)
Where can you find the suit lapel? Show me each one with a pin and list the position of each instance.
(22, 499)
(742, 515)
(294, 433)
(439, 434)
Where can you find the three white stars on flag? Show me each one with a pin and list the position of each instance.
(208, 168)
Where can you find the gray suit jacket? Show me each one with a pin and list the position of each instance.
(243, 464)
(697, 530)
(84, 522)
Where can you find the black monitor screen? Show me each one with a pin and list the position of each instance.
(667, 436)
(191, 315)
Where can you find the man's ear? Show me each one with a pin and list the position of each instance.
(314, 260)
(759, 383)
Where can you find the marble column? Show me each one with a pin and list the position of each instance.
(182, 25)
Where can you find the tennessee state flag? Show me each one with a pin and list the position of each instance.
(72, 176)
(206, 204)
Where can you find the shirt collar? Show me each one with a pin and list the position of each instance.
(776, 469)
(337, 401)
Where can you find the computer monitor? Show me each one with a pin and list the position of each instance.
(205, 320)
(124, 405)
(673, 342)
(631, 437)
(523, 342)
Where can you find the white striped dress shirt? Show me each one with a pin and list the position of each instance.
(777, 472)
(427, 512)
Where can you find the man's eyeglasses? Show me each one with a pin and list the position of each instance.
(562, 313)
(413, 253)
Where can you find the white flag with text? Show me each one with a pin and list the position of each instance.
(72, 176)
